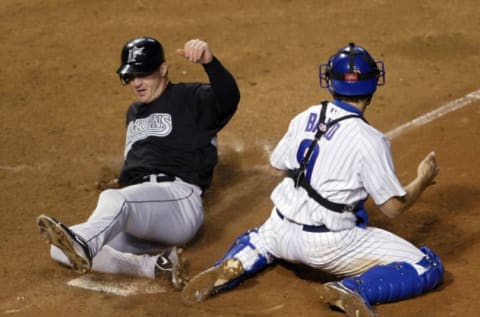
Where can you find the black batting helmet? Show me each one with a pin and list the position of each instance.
(142, 55)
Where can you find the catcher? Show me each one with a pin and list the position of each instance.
(333, 161)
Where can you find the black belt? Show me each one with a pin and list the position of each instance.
(158, 178)
(154, 178)
(308, 228)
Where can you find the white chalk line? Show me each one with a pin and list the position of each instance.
(120, 288)
(46, 165)
(435, 114)
(19, 168)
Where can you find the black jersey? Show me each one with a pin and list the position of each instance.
(176, 133)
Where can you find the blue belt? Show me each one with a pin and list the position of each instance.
(308, 228)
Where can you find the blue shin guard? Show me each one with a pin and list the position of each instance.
(261, 261)
(397, 280)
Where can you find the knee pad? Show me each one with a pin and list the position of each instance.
(397, 280)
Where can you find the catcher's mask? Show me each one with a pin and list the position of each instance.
(140, 56)
(352, 72)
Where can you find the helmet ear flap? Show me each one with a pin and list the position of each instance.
(124, 79)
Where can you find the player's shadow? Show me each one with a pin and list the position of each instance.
(239, 196)
(240, 170)
(440, 221)
(308, 273)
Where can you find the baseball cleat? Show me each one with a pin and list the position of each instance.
(336, 294)
(212, 281)
(171, 264)
(72, 245)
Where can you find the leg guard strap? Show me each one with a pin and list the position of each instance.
(260, 260)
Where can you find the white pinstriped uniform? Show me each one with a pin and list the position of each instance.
(353, 162)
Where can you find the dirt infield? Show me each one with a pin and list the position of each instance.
(63, 112)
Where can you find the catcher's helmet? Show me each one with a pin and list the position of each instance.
(142, 55)
(352, 72)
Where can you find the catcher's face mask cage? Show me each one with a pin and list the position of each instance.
(352, 72)
(140, 56)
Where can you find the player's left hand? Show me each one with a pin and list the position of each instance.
(196, 51)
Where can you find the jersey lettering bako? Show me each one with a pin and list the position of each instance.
(349, 163)
(157, 124)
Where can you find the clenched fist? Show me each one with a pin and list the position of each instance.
(196, 51)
